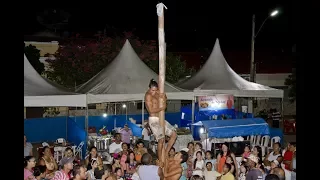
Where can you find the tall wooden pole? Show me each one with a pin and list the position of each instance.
(162, 69)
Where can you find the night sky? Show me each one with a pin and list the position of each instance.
(188, 27)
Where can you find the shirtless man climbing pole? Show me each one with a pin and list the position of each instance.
(152, 103)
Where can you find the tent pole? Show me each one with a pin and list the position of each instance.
(282, 115)
(142, 111)
(192, 114)
(87, 123)
(67, 123)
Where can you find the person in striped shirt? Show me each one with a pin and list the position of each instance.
(66, 164)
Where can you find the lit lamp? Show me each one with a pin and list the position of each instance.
(124, 106)
(104, 114)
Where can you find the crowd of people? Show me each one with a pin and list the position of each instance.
(136, 163)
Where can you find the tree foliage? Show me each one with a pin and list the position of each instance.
(175, 68)
(291, 83)
(77, 60)
(33, 55)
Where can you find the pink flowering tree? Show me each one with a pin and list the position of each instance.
(78, 59)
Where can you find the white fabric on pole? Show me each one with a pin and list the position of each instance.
(217, 77)
(160, 7)
(40, 92)
(126, 78)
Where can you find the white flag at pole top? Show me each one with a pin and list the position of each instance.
(160, 7)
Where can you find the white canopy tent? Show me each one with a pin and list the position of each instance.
(40, 92)
(217, 77)
(126, 78)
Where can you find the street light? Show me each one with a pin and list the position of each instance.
(253, 36)
(124, 106)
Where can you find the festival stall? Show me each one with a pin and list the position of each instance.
(216, 78)
(232, 131)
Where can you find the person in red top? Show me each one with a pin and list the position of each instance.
(229, 102)
(288, 155)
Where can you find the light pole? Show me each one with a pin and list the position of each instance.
(124, 106)
(253, 37)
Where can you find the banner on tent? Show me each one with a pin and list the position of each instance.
(216, 102)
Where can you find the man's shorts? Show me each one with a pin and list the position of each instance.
(157, 130)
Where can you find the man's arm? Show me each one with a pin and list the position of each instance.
(160, 173)
(150, 108)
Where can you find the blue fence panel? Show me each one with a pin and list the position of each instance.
(76, 135)
(45, 129)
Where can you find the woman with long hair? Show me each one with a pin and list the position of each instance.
(222, 157)
(29, 164)
(198, 164)
(131, 164)
(48, 161)
(93, 155)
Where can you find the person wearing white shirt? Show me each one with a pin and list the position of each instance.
(146, 136)
(116, 146)
(210, 173)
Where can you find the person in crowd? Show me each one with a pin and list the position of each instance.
(257, 151)
(246, 152)
(198, 164)
(262, 170)
(147, 171)
(94, 165)
(131, 165)
(29, 164)
(274, 155)
(184, 167)
(227, 175)
(124, 156)
(272, 177)
(209, 158)
(116, 164)
(190, 160)
(279, 172)
(253, 173)
(126, 134)
(28, 148)
(48, 161)
(198, 147)
(234, 166)
(108, 175)
(293, 167)
(39, 172)
(288, 155)
(79, 173)
(172, 167)
(116, 146)
(146, 134)
(243, 171)
(118, 173)
(139, 150)
(172, 153)
(210, 173)
(222, 157)
(66, 166)
(274, 164)
(93, 155)
(68, 152)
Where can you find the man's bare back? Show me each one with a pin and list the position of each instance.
(171, 167)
